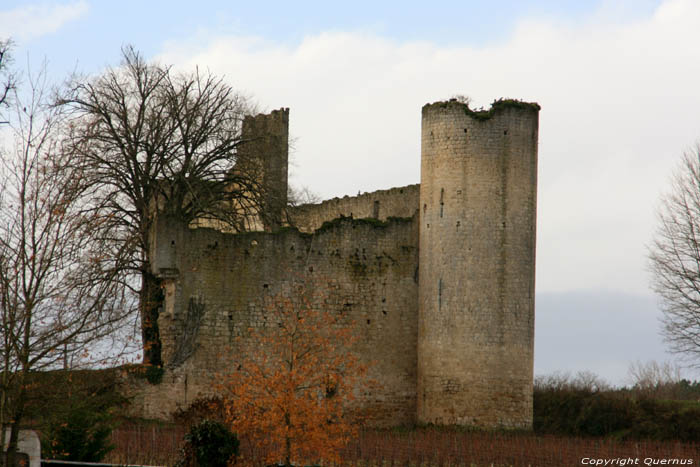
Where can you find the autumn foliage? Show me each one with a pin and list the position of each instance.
(290, 393)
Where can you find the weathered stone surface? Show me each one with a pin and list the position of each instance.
(365, 272)
(477, 265)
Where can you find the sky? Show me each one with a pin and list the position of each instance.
(617, 82)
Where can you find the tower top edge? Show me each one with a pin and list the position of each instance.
(282, 112)
(497, 106)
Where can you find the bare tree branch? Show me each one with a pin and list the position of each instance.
(8, 79)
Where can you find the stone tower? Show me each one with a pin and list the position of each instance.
(477, 264)
(263, 153)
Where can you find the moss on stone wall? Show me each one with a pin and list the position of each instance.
(381, 205)
(496, 106)
(358, 268)
(290, 228)
(337, 222)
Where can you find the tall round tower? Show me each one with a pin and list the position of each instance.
(477, 264)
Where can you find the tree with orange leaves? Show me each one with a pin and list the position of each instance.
(290, 394)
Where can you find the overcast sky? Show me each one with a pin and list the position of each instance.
(617, 82)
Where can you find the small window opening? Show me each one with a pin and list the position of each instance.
(442, 200)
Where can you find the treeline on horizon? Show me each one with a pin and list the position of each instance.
(657, 406)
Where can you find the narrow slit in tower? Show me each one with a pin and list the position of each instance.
(442, 200)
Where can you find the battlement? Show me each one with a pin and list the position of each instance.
(380, 204)
(497, 106)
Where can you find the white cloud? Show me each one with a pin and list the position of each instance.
(619, 105)
(32, 21)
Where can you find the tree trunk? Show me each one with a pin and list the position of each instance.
(16, 420)
(150, 303)
(11, 453)
(287, 443)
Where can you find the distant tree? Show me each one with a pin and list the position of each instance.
(148, 137)
(60, 293)
(290, 394)
(557, 381)
(585, 380)
(302, 195)
(654, 379)
(675, 259)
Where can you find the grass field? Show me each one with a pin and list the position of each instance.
(159, 445)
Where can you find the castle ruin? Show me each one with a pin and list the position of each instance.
(437, 279)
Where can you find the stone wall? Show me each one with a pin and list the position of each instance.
(381, 204)
(216, 285)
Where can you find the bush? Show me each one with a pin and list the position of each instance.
(154, 374)
(605, 414)
(563, 409)
(208, 444)
(78, 434)
(203, 408)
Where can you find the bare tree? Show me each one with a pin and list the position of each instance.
(296, 196)
(654, 379)
(675, 259)
(148, 137)
(8, 79)
(584, 380)
(59, 291)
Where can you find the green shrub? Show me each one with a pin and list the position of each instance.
(604, 414)
(570, 411)
(77, 434)
(208, 444)
(154, 374)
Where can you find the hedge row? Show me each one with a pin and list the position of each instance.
(619, 414)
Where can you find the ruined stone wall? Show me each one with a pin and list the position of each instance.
(477, 264)
(381, 204)
(216, 284)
